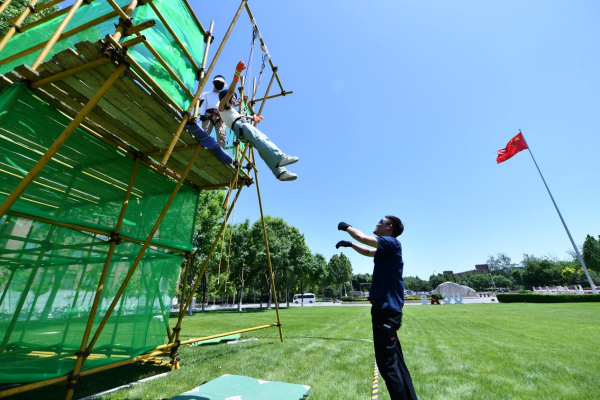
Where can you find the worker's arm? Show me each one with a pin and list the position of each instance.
(236, 77)
(358, 235)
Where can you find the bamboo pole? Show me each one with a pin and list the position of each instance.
(63, 74)
(129, 12)
(13, 29)
(90, 229)
(216, 336)
(187, 114)
(146, 76)
(48, 17)
(35, 170)
(177, 40)
(5, 4)
(272, 96)
(263, 44)
(54, 38)
(142, 251)
(167, 67)
(264, 226)
(65, 35)
(208, 257)
(81, 355)
(118, 9)
(49, 4)
(193, 14)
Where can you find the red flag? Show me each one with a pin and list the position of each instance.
(515, 145)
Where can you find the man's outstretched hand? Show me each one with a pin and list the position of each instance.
(343, 243)
(342, 226)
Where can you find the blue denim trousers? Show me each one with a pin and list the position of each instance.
(267, 150)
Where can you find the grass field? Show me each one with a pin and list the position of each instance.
(473, 351)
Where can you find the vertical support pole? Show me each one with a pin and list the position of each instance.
(53, 39)
(35, 170)
(262, 218)
(17, 26)
(210, 253)
(114, 240)
(133, 268)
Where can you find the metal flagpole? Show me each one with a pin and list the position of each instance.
(587, 274)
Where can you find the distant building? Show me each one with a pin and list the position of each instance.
(478, 268)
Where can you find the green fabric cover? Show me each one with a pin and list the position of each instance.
(174, 11)
(49, 274)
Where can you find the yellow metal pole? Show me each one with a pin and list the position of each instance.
(13, 29)
(262, 218)
(54, 38)
(210, 253)
(187, 114)
(114, 240)
(35, 170)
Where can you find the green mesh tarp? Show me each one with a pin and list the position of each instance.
(49, 273)
(175, 13)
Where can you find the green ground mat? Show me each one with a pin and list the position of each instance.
(228, 338)
(245, 388)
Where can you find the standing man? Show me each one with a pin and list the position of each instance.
(209, 110)
(387, 298)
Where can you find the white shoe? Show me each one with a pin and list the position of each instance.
(287, 176)
(287, 160)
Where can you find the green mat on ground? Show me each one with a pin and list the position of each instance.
(221, 339)
(245, 388)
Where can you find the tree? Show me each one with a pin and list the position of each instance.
(16, 8)
(416, 284)
(591, 253)
(478, 281)
(242, 254)
(501, 264)
(502, 281)
(339, 271)
(540, 271)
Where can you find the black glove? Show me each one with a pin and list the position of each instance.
(203, 118)
(343, 243)
(342, 226)
(191, 121)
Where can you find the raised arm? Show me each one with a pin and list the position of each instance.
(236, 78)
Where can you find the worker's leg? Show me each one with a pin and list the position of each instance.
(221, 130)
(267, 150)
(388, 354)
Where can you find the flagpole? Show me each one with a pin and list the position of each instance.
(587, 274)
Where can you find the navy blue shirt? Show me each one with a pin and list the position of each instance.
(387, 287)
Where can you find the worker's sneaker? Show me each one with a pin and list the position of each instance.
(287, 176)
(287, 160)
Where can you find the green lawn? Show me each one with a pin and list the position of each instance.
(471, 351)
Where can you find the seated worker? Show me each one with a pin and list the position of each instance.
(209, 110)
(247, 133)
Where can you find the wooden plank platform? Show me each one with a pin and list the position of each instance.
(127, 116)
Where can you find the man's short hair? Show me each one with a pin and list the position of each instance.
(397, 226)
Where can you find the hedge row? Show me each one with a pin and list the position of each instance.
(548, 298)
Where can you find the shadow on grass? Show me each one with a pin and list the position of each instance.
(329, 338)
(96, 383)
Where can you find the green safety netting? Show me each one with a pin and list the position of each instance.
(175, 13)
(48, 273)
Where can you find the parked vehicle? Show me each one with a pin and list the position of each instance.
(306, 298)
(503, 290)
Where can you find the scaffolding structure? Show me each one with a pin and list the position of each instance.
(99, 185)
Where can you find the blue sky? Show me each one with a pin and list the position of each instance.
(399, 107)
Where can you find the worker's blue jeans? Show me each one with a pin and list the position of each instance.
(267, 150)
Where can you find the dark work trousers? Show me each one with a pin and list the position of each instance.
(388, 353)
